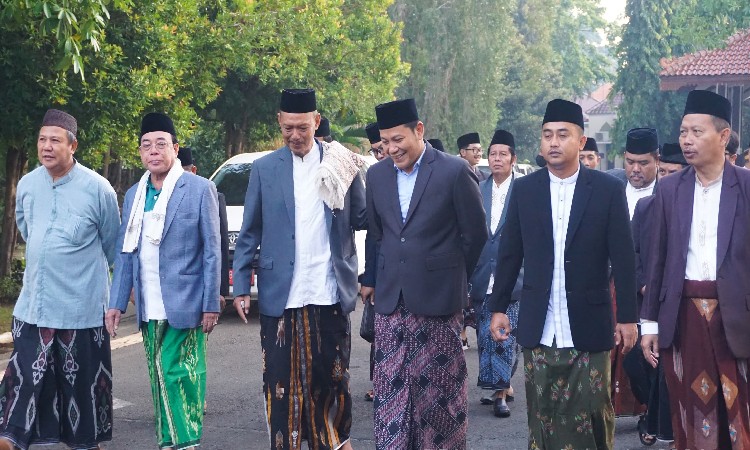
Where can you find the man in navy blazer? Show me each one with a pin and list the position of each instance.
(425, 213)
(565, 224)
(170, 258)
(697, 305)
(307, 282)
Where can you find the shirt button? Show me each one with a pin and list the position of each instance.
(291, 263)
(403, 239)
(402, 261)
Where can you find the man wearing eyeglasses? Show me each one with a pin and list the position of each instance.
(470, 149)
(376, 147)
(170, 257)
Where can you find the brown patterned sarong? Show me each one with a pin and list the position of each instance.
(708, 386)
(420, 381)
(568, 398)
(306, 377)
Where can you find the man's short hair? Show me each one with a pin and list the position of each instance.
(719, 123)
(412, 125)
(734, 143)
(71, 137)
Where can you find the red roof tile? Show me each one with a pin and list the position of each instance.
(734, 59)
(606, 106)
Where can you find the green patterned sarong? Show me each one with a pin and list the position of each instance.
(177, 367)
(569, 400)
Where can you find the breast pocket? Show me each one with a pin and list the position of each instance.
(79, 229)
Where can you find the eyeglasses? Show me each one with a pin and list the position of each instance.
(376, 151)
(475, 150)
(160, 145)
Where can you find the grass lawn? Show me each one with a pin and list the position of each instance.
(6, 317)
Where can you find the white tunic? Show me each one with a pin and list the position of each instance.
(635, 194)
(557, 324)
(150, 281)
(313, 279)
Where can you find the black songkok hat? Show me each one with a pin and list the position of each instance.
(591, 145)
(642, 141)
(706, 102)
(57, 118)
(559, 110)
(157, 122)
(298, 101)
(185, 155)
(672, 154)
(467, 139)
(395, 113)
(503, 137)
(324, 129)
(540, 161)
(373, 133)
(437, 144)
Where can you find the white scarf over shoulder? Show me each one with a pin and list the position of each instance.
(156, 227)
(337, 170)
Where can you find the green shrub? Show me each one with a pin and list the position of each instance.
(9, 290)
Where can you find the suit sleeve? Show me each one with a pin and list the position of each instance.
(622, 257)
(374, 232)
(470, 217)
(509, 258)
(209, 228)
(122, 279)
(368, 276)
(358, 204)
(224, 230)
(640, 277)
(657, 255)
(250, 234)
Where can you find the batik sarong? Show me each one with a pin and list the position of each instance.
(420, 381)
(57, 387)
(306, 377)
(708, 386)
(176, 360)
(568, 398)
(496, 359)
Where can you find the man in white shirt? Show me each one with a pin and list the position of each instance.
(496, 360)
(307, 282)
(641, 164)
(564, 224)
(696, 311)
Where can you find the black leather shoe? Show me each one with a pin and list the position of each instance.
(500, 408)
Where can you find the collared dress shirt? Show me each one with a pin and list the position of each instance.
(406, 182)
(313, 279)
(635, 194)
(702, 245)
(148, 256)
(557, 324)
(70, 227)
(499, 193)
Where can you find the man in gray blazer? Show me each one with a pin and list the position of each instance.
(307, 283)
(428, 222)
(169, 256)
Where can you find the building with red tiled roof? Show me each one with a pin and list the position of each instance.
(725, 71)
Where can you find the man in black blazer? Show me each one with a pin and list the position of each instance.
(565, 224)
(425, 213)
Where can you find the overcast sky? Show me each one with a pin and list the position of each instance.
(615, 9)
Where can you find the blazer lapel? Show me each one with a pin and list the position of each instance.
(505, 205)
(285, 174)
(727, 209)
(487, 201)
(544, 203)
(684, 205)
(422, 177)
(581, 196)
(174, 203)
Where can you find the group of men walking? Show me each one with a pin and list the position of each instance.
(565, 262)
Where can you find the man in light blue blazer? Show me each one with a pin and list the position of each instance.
(169, 255)
(307, 281)
(496, 359)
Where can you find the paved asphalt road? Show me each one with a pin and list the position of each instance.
(235, 418)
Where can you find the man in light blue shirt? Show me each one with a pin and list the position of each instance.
(58, 384)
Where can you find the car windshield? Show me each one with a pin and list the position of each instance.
(231, 181)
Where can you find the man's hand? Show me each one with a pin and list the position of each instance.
(112, 321)
(650, 347)
(242, 305)
(627, 333)
(210, 319)
(500, 326)
(368, 294)
(222, 304)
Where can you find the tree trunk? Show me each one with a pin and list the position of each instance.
(106, 163)
(14, 163)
